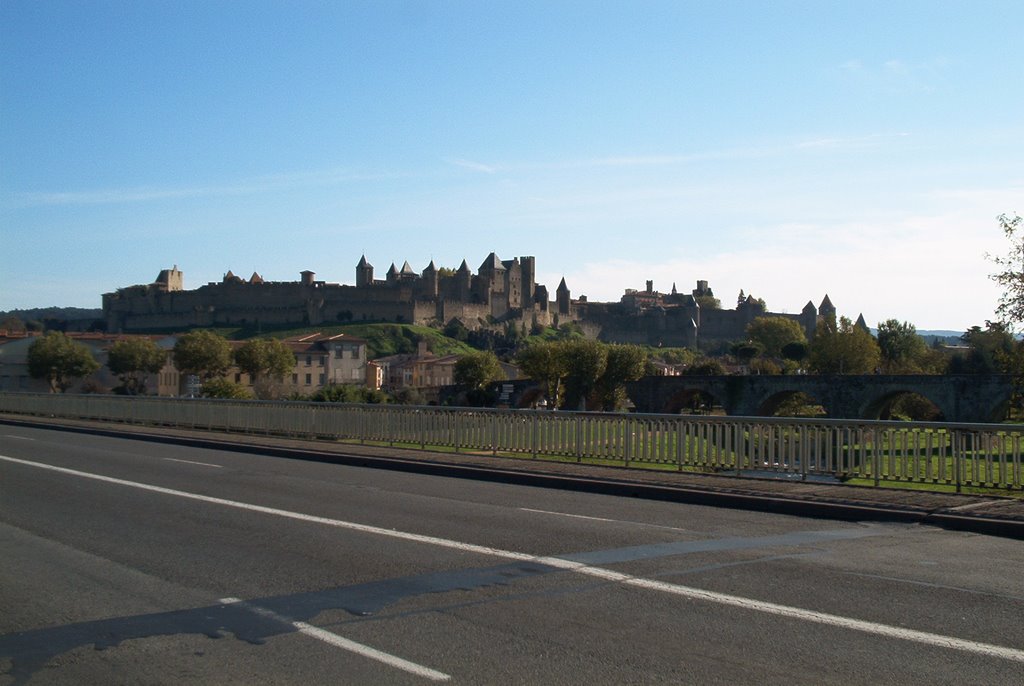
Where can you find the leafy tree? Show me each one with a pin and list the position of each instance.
(775, 333)
(765, 366)
(477, 371)
(266, 361)
(12, 324)
(708, 302)
(457, 330)
(992, 350)
(131, 360)
(570, 331)
(705, 366)
(903, 351)
(542, 362)
(677, 355)
(60, 360)
(584, 362)
(747, 350)
(202, 353)
(1011, 278)
(348, 393)
(222, 388)
(845, 349)
(796, 351)
(624, 363)
(408, 396)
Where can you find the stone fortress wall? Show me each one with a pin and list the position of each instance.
(500, 292)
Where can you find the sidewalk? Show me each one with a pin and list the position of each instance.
(978, 513)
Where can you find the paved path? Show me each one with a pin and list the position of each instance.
(979, 513)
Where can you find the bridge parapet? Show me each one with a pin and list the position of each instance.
(960, 397)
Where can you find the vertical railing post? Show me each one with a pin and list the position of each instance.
(534, 419)
(680, 442)
(578, 424)
(454, 420)
(494, 433)
(875, 456)
(958, 448)
(627, 437)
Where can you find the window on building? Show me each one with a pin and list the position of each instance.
(323, 379)
(295, 379)
(309, 360)
(309, 379)
(356, 375)
(355, 352)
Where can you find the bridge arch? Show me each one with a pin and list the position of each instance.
(792, 403)
(690, 400)
(904, 404)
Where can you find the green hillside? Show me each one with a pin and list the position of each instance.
(382, 339)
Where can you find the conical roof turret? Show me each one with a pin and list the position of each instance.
(492, 263)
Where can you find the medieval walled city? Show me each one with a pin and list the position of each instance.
(499, 293)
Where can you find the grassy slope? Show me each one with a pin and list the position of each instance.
(382, 339)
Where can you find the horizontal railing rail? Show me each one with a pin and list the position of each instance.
(944, 455)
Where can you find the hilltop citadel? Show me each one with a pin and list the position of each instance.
(501, 292)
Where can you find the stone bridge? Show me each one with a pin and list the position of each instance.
(960, 398)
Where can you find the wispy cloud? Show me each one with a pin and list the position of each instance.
(474, 166)
(854, 141)
(140, 194)
(897, 76)
(865, 267)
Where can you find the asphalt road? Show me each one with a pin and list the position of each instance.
(127, 562)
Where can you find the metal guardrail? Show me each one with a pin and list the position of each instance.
(873, 452)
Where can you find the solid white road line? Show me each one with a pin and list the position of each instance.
(924, 637)
(203, 464)
(343, 643)
(606, 519)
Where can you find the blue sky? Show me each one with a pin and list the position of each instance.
(789, 149)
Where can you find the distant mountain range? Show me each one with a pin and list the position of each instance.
(947, 337)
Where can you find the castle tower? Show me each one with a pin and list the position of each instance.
(528, 265)
(364, 272)
(392, 275)
(430, 281)
(169, 280)
(513, 283)
(407, 273)
(562, 295)
(306, 277)
(464, 282)
(492, 272)
(809, 319)
(827, 311)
